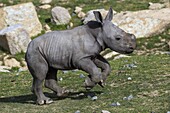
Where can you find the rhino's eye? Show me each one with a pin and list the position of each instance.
(118, 37)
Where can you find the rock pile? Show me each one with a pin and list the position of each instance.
(8, 62)
(79, 12)
(45, 4)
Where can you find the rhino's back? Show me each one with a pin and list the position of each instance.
(62, 49)
(57, 49)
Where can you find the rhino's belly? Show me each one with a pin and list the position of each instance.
(62, 62)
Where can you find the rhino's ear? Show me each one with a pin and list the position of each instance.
(98, 16)
(109, 15)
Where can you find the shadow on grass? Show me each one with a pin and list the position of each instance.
(31, 98)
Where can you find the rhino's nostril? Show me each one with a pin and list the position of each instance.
(131, 48)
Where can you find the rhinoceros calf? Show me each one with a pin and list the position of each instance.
(78, 48)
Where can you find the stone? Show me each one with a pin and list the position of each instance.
(24, 14)
(60, 15)
(105, 111)
(71, 24)
(4, 69)
(1, 4)
(12, 62)
(47, 27)
(94, 98)
(111, 55)
(77, 9)
(46, 6)
(81, 15)
(78, 111)
(155, 6)
(90, 16)
(81, 76)
(115, 104)
(45, 1)
(129, 78)
(121, 56)
(14, 39)
(23, 63)
(130, 97)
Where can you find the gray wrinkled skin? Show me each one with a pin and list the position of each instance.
(78, 48)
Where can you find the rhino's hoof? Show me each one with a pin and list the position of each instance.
(88, 84)
(42, 102)
(63, 93)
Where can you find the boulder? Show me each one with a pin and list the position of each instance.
(24, 14)
(144, 23)
(60, 15)
(14, 39)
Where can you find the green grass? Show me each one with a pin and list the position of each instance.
(150, 87)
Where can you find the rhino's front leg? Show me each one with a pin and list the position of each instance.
(104, 65)
(95, 75)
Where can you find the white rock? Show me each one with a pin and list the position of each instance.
(105, 111)
(78, 111)
(71, 24)
(24, 14)
(143, 23)
(4, 69)
(111, 54)
(121, 56)
(155, 6)
(1, 4)
(14, 39)
(11, 62)
(47, 27)
(77, 9)
(129, 78)
(81, 15)
(94, 98)
(46, 6)
(45, 1)
(60, 15)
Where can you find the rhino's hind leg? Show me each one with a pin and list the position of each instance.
(37, 89)
(38, 67)
(51, 82)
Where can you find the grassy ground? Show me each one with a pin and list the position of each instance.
(149, 84)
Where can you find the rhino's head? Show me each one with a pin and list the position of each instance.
(114, 37)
